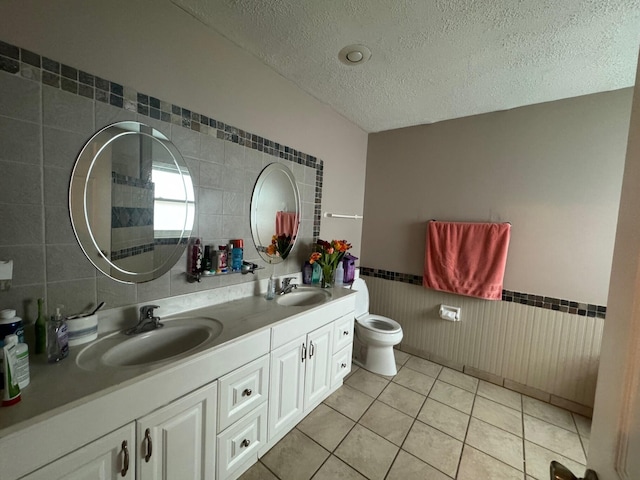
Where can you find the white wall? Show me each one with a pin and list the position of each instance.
(157, 48)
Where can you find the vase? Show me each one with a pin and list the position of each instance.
(328, 275)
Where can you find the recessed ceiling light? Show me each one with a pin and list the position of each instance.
(354, 54)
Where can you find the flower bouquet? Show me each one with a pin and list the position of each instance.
(328, 255)
(281, 246)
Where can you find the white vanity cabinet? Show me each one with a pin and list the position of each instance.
(178, 441)
(242, 417)
(108, 458)
(342, 348)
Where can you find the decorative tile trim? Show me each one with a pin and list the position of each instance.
(550, 303)
(19, 61)
(131, 251)
(125, 217)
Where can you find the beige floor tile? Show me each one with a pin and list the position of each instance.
(554, 438)
(466, 382)
(334, 468)
(500, 395)
(402, 398)
(434, 447)
(295, 457)
(496, 442)
(476, 465)
(583, 424)
(416, 381)
(498, 415)
(408, 467)
(549, 413)
(354, 369)
(387, 422)
(326, 426)
(585, 446)
(453, 396)
(424, 366)
(401, 357)
(446, 419)
(367, 452)
(539, 458)
(349, 401)
(258, 472)
(367, 382)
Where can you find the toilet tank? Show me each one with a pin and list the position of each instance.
(362, 297)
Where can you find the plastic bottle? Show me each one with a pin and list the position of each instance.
(41, 329)
(271, 289)
(316, 274)
(11, 393)
(307, 271)
(57, 338)
(22, 365)
(339, 275)
(236, 254)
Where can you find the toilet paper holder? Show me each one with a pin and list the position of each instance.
(451, 314)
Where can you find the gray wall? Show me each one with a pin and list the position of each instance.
(553, 170)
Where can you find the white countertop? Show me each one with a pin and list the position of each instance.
(58, 388)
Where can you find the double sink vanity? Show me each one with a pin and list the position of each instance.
(202, 397)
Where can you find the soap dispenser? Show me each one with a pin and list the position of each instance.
(57, 338)
(271, 289)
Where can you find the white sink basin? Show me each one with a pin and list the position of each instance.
(178, 337)
(304, 297)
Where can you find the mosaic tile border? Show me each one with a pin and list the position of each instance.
(550, 303)
(33, 66)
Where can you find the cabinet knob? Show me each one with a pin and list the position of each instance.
(147, 437)
(245, 443)
(125, 463)
(343, 365)
(247, 392)
(345, 333)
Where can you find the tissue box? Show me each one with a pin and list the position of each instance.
(82, 330)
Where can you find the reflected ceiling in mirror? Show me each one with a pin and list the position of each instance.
(131, 201)
(275, 213)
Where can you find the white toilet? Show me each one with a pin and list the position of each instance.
(375, 336)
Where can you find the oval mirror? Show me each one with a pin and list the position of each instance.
(275, 213)
(131, 202)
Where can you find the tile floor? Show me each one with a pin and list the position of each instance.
(430, 423)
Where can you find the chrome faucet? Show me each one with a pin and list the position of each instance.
(287, 286)
(147, 321)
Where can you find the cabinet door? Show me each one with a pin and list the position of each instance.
(178, 441)
(286, 389)
(110, 457)
(317, 382)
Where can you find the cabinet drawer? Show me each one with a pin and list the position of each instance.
(341, 365)
(241, 442)
(342, 332)
(242, 390)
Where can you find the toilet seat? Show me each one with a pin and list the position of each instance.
(379, 324)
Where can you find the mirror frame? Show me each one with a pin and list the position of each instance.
(258, 189)
(79, 186)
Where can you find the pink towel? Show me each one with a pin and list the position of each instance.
(466, 258)
(287, 224)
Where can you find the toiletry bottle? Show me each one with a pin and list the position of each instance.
(206, 260)
(236, 254)
(22, 365)
(223, 259)
(41, 329)
(57, 338)
(307, 270)
(11, 394)
(339, 275)
(271, 289)
(316, 274)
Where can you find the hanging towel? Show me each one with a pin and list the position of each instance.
(287, 224)
(466, 258)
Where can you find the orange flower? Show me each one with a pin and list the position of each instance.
(315, 256)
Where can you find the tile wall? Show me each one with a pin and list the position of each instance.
(48, 111)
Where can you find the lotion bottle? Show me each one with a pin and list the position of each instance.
(271, 289)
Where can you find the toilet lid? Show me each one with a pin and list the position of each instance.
(362, 297)
(378, 323)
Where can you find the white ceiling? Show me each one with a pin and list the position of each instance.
(434, 60)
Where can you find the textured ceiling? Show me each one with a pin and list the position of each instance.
(434, 60)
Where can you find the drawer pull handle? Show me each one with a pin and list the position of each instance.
(125, 463)
(304, 352)
(247, 392)
(345, 333)
(343, 365)
(147, 437)
(312, 349)
(245, 443)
